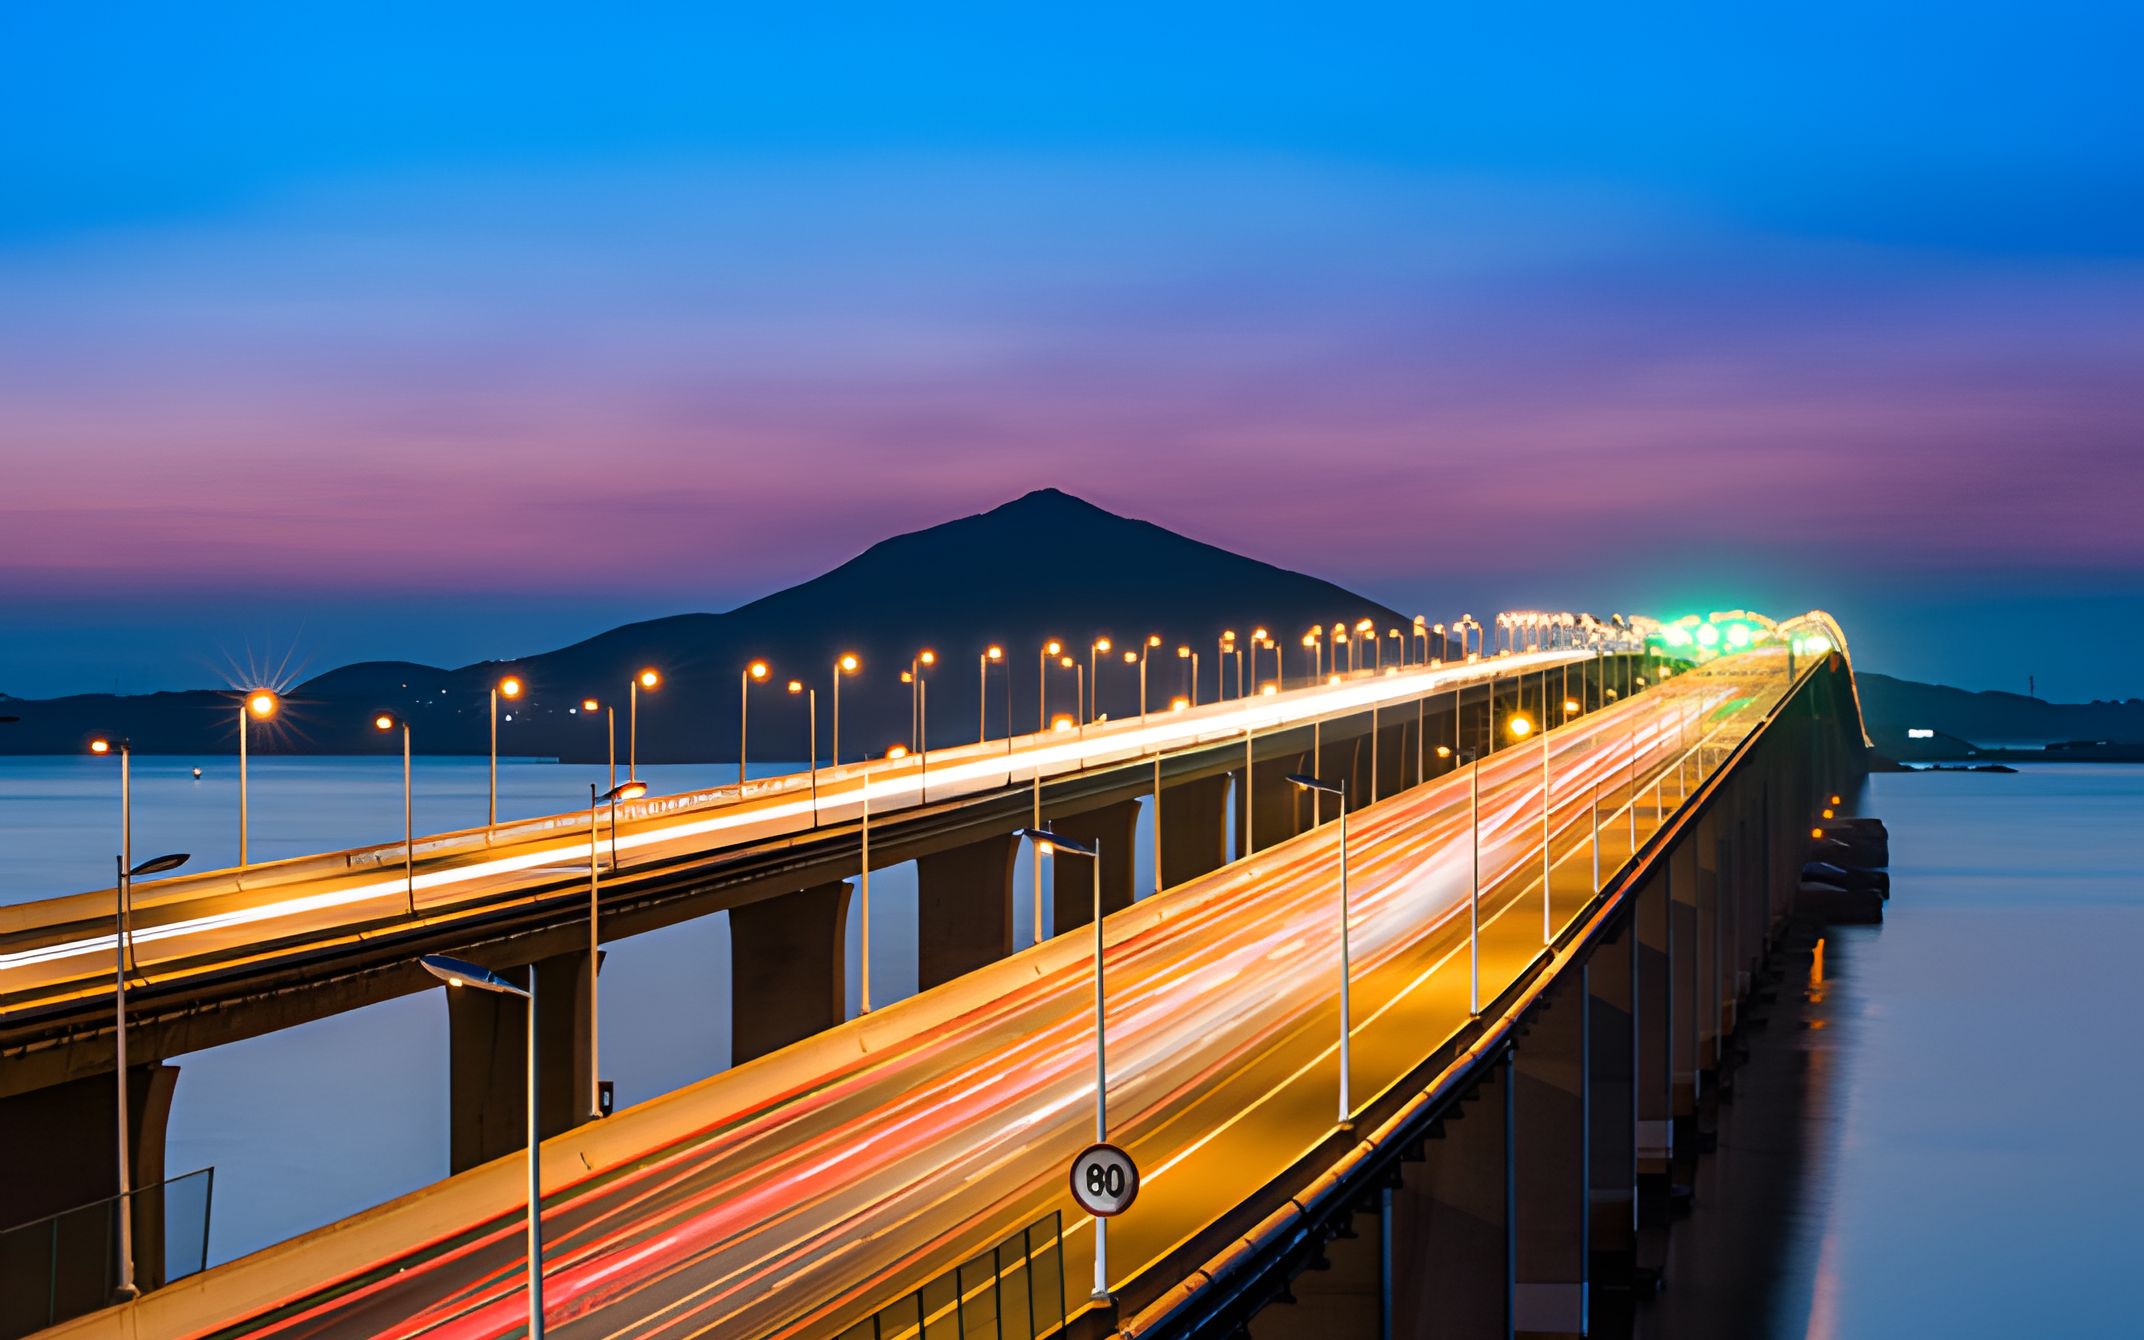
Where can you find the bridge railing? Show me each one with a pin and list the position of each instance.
(66, 1264)
(1014, 1290)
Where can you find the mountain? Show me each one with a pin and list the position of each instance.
(1046, 565)
(1892, 707)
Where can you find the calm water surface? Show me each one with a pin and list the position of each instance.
(1937, 1132)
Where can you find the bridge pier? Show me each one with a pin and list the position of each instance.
(1450, 1226)
(58, 1152)
(964, 908)
(1271, 801)
(487, 1061)
(1612, 1111)
(1338, 760)
(1654, 1071)
(1341, 1296)
(1392, 758)
(1193, 836)
(1552, 1180)
(1116, 828)
(788, 961)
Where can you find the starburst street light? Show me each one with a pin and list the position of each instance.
(649, 679)
(508, 687)
(752, 674)
(256, 705)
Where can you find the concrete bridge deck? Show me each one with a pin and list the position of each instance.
(804, 1189)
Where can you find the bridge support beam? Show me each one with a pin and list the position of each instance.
(964, 909)
(1451, 1248)
(487, 1061)
(1612, 1110)
(58, 1153)
(1116, 828)
(1686, 1019)
(1342, 1295)
(788, 961)
(1551, 1176)
(1194, 829)
(1655, 1068)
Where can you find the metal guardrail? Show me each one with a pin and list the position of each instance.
(1012, 1291)
(67, 1264)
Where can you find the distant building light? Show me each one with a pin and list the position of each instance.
(1920, 733)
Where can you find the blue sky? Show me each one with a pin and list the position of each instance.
(352, 333)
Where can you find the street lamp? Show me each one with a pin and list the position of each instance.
(1099, 647)
(750, 675)
(1227, 649)
(917, 706)
(992, 655)
(1079, 690)
(1152, 641)
(1306, 782)
(845, 664)
(259, 705)
(811, 733)
(1186, 654)
(629, 789)
(649, 679)
(1042, 682)
(509, 687)
(1316, 649)
(458, 973)
(1260, 638)
(589, 707)
(1522, 726)
(1050, 844)
(384, 722)
(1473, 761)
(1365, 630)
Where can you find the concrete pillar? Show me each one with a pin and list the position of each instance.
(1274, 816)
(1341, 1295)
(1116, 828)
(788, 960)
(1338, 760)
(1451, 1244)
(1551, 1154)
(487, 1061)
(1393, 754)
(1708, 848)
(964, 908)
(1686, 1019)
(1194, 829)
(1655, 1068)
(58, 1153)
(1612, 1108)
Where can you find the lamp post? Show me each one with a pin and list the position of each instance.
(1365, 631)
(1317, 655)
(1226, 647)
(589, 707)
(1521, 726)
(845, 664)
(1049, 844)
(1042, 683)
(1474, 886)
(1079, 690)
(384, 722)
(746, 678)
(649, 679)
(1153, 640)
(259, 705)
(509, 688)
(1186, 654)
(811, 735)
(459, 973)
(1306, 782)
(917, 664)
(626, 790)
(1097, 648)
(863, 968)
(993, 655)
(1260, 638)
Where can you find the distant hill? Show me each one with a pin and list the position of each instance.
(1044, 565)
(1892, 707)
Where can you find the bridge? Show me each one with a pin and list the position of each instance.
(1518, 1090)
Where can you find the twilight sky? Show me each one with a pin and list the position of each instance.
(394, 334)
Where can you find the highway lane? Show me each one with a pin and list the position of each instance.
(835, 1174)
(61, 949)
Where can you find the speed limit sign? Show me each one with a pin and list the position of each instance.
(1105, 1181)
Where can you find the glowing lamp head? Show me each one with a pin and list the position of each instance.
(898, 751)
(796, 686)
(847, 663)
(927, 656)
(757, 669)
(1101, 644)
(261, 704)
(1816, 832)
(1153, 639)
(1520, 727)
(1178, 704)
(1228, 635)
(1052, 647)
(995, 653)
(648, 678)
(1444, 751)
(1310, 639)
(590, 705)
(1131, 658)
(1183, 653)
(1364, 625)
(1834, 800)
(1570, 705)
(1827, 814)
(100, 745)
(1259, 634)
(1269, 689)
(383, 722)
(1060, 722)
(908, 677)
(1332, 679)
(1066, 662)
(510, 687)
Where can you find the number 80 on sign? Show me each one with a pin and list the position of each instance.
(1105, 1181)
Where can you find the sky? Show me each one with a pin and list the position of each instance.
(446, 333)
